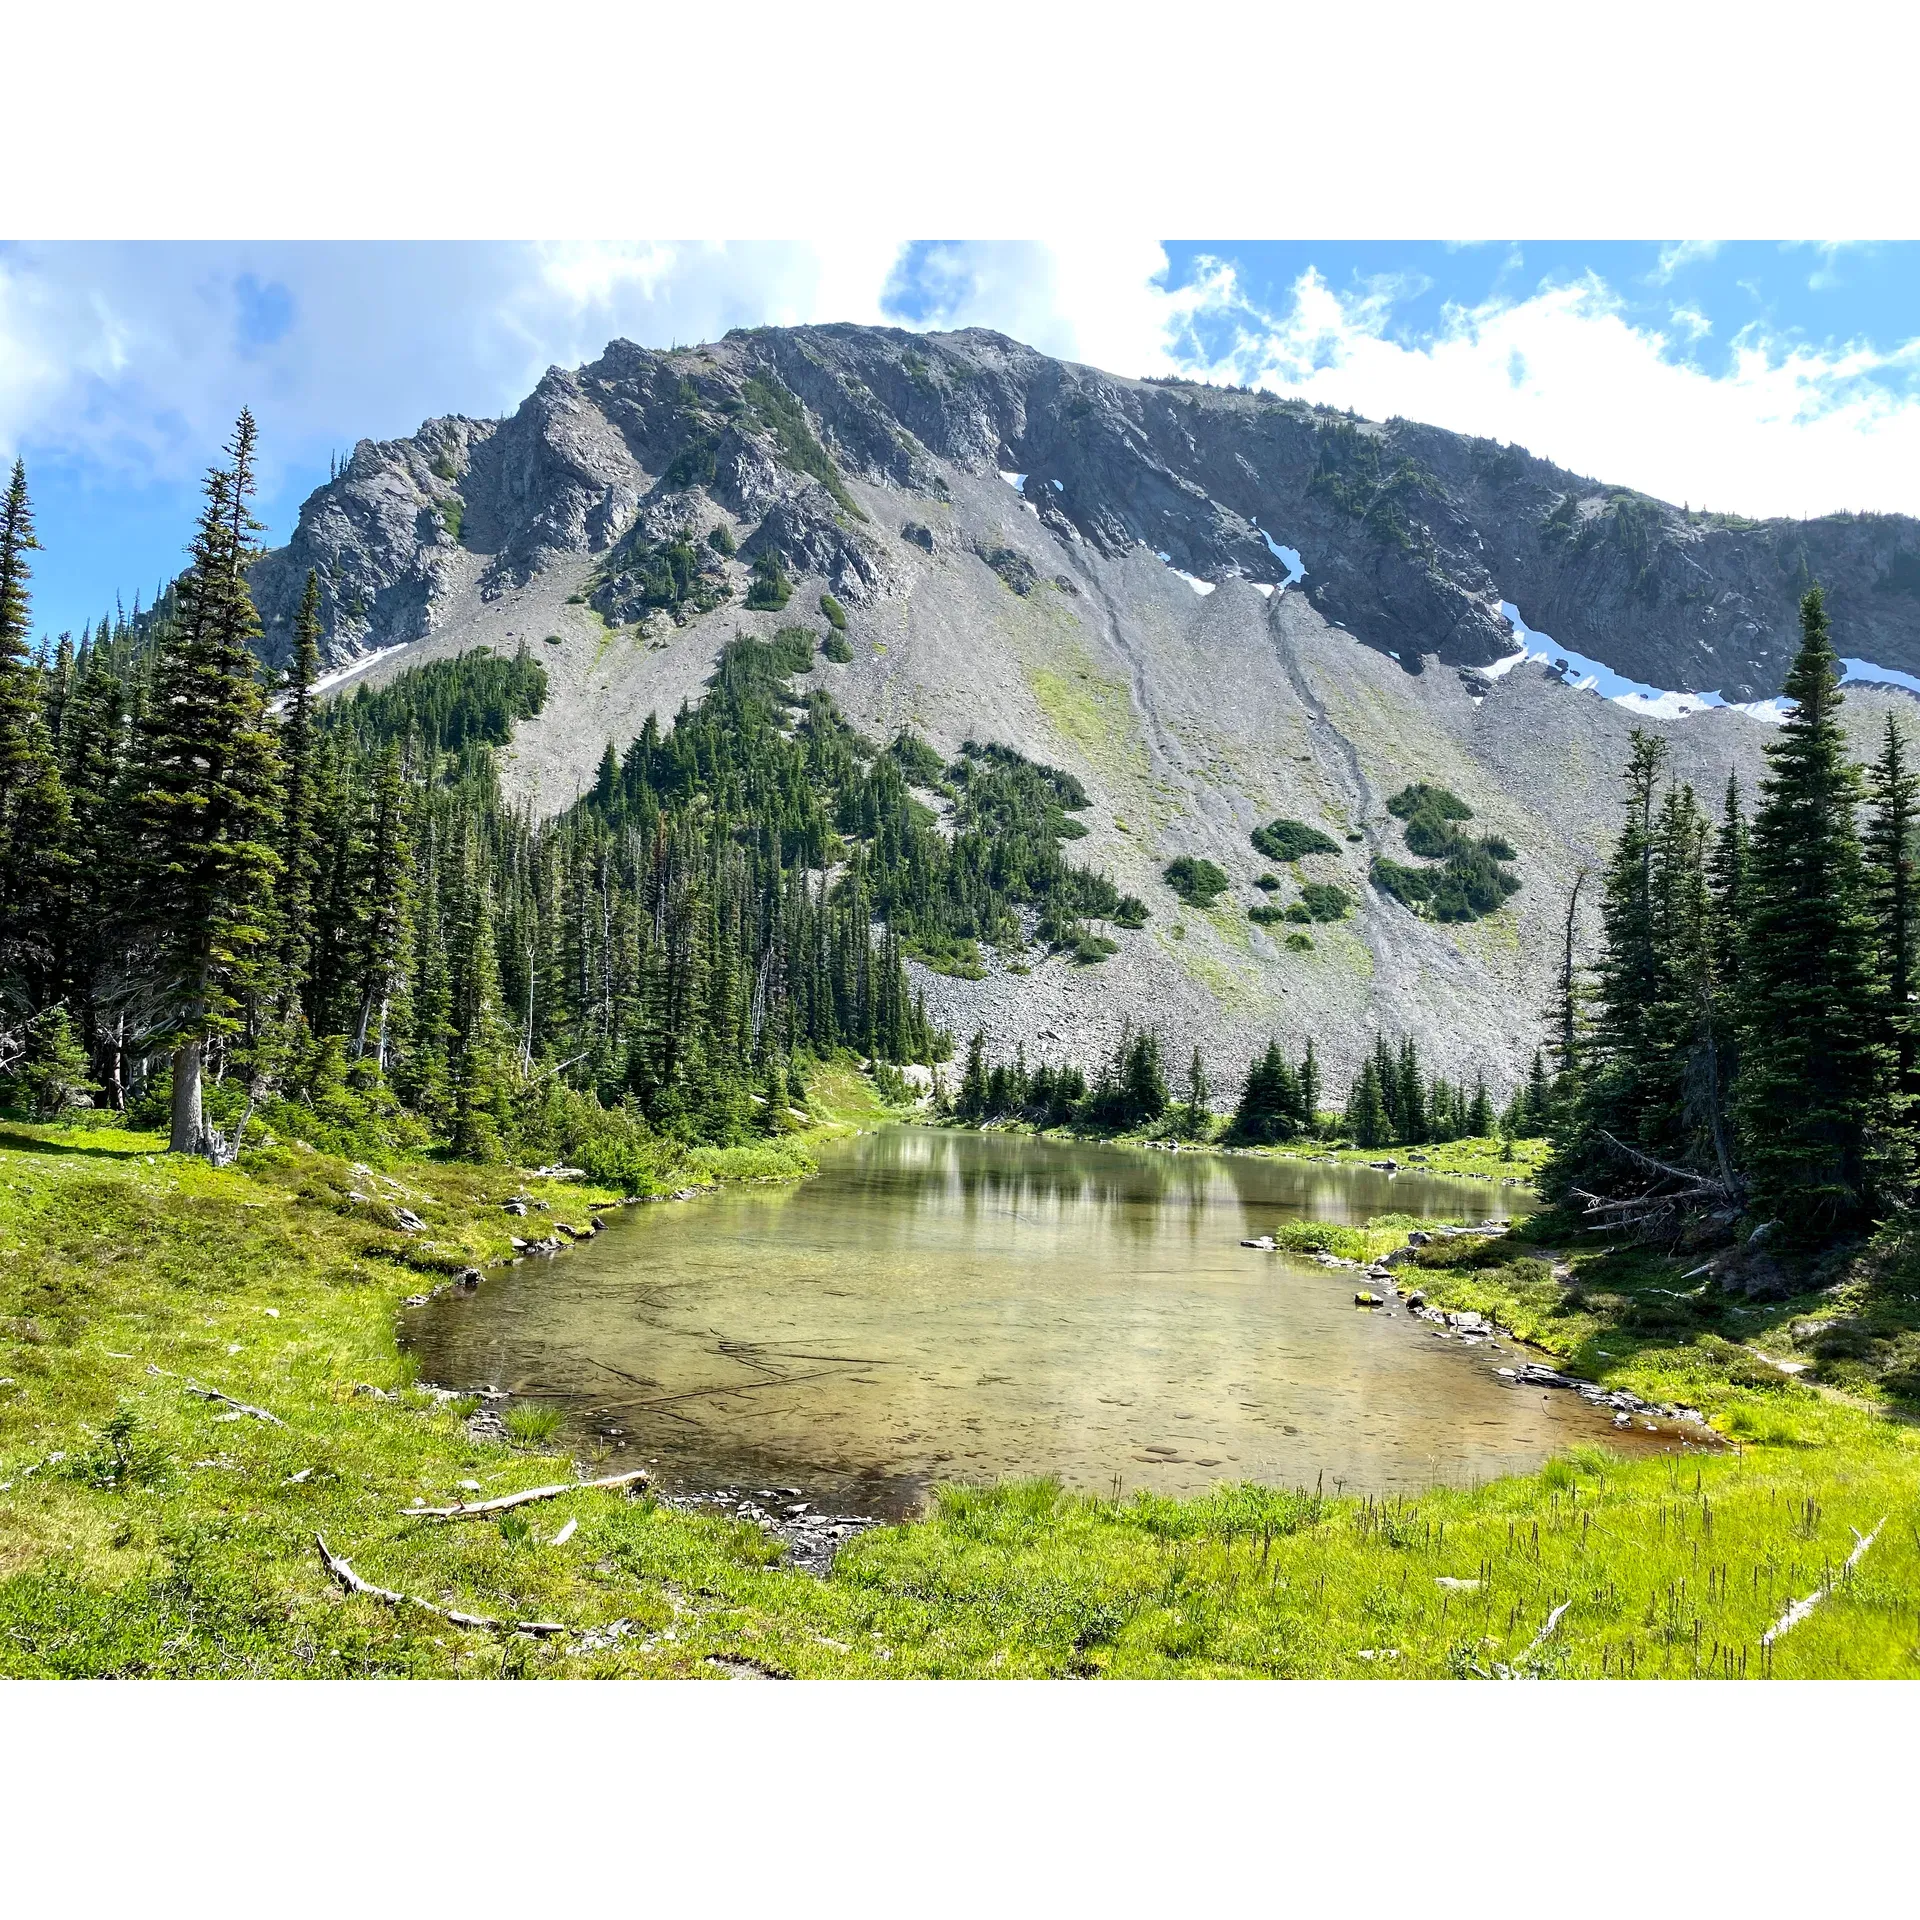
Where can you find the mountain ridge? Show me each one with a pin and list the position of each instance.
(1196, 697)
(1412, 535)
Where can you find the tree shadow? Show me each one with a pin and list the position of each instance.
(14, 1141)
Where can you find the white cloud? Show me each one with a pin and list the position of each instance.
(133, 359)
(1788, 429)
(1681, 253)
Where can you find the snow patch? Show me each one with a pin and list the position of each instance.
(1017, 481)
(340, 675)
(1288, 558)
(1193, 580)
(1056, 486)
(1587, 675)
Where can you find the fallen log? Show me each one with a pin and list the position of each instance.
(214, 1393)
(1800, 1609)
(392, 1597)
(477, 1509)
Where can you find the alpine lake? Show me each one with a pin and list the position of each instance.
(939, 1305)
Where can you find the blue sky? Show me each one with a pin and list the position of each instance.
(1759, 377)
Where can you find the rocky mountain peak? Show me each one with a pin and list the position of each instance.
(1411, 535)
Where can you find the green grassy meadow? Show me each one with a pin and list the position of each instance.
(145, 1530)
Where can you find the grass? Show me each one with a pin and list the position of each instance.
(1485, 1157)
(146, 1531)
(1092, 712)
(531, 1425)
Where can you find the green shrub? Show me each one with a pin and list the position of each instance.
(1290, 840)
(1267, 914)
(1299, 943)
(721, 541)
(1268, 883)
(835, 612)
(834, 647)
(1472, 881)
(1198, 882)
(1325, 902)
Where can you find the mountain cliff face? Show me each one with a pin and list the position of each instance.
(1099, 573)
(1412, 535)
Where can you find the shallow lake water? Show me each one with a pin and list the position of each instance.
(970, 1306)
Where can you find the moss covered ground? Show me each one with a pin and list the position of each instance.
(145, 1530)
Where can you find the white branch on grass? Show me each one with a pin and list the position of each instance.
(214, 1393)
(1801, 1608)
(474, 1510)
(342, 1572)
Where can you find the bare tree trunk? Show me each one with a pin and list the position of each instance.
(189, 1114)
(116, 1071)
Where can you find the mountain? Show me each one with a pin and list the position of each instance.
(1106, 574)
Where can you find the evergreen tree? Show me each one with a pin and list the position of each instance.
(17, 703)
(1537, 1102)
(35, 828)
(206, 798)
(1811, 1062)
(1367, 1118)
(1310, 1090)
(972, 1101)
(299, 855)
(1410, 1103)
(1894, 793)
(385, 889)
(1197, 1118)
(1266, 1110)
(52, 1075)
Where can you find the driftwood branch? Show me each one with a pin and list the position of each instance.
(1540, 1638)
(1514, 1672)
(478, 1509)
(1692, 1179)
(1801, 1608)
(353, 1583)
(213, 1393)
(1673, 1193)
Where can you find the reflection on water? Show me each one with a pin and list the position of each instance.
(968, 1306)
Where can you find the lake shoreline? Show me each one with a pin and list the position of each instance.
(145, 1530)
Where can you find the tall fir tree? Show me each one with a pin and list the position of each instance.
(1197, 1119)
(1812, 1065)
(35, 820)
(206, 799)
(1894, 796)
(299, 852)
